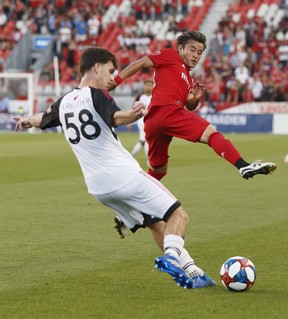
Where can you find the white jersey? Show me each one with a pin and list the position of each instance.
(145, 99)
(86, 118)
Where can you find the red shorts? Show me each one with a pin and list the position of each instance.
(162, 123)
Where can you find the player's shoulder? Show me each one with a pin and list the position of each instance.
(165, 52)
(100, 93)
(169, 50)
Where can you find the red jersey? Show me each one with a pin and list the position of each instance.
(172, 79)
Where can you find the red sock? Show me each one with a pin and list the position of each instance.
(224, 148)
(156, 175)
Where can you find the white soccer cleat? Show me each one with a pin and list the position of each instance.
(257, 168)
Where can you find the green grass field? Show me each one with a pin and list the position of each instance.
(61, 258)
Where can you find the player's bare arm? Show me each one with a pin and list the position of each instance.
(24, 123)
(125, 117)
(194, 96)
(131, 69)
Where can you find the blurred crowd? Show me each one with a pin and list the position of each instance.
(246, 59)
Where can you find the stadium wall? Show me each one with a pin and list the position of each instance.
(261, 119)
(254, 117)
(249, 123)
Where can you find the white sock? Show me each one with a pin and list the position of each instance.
(146, 149)
(146, 153)
(173, 245)
(188, 264)
(136, 149)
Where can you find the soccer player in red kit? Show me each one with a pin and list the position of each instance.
(174, 97)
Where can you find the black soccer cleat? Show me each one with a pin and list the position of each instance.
(120, 227)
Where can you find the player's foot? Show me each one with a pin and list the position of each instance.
(171, 265)
(286, 159)
(202, 282)
(200, 279)
(257, 168)
(120, 227)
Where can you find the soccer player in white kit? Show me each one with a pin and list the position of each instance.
(144, 98)
(87, 115)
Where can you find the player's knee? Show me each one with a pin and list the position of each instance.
(182, 215)
(158, 174)
(208, 132)
(160, 169)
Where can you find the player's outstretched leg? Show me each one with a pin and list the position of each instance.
(120, 227)
(136, 149)
(186, 263)
(257, 168)
(224, 148)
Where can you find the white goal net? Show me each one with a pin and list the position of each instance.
(16, 97)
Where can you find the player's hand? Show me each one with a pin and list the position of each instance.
(139, 109)
(197, 90)
(22, 123)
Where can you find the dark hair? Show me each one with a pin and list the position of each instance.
(191, 35)
(94, 55)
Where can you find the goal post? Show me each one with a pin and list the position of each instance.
(16, 97)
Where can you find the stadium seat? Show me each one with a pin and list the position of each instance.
(263, 9)
(280, 36)
(278, 17)
(250, 14)
(157, 26)
(147, 26)
(125, 8)
(170, 36)
(198, 3)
